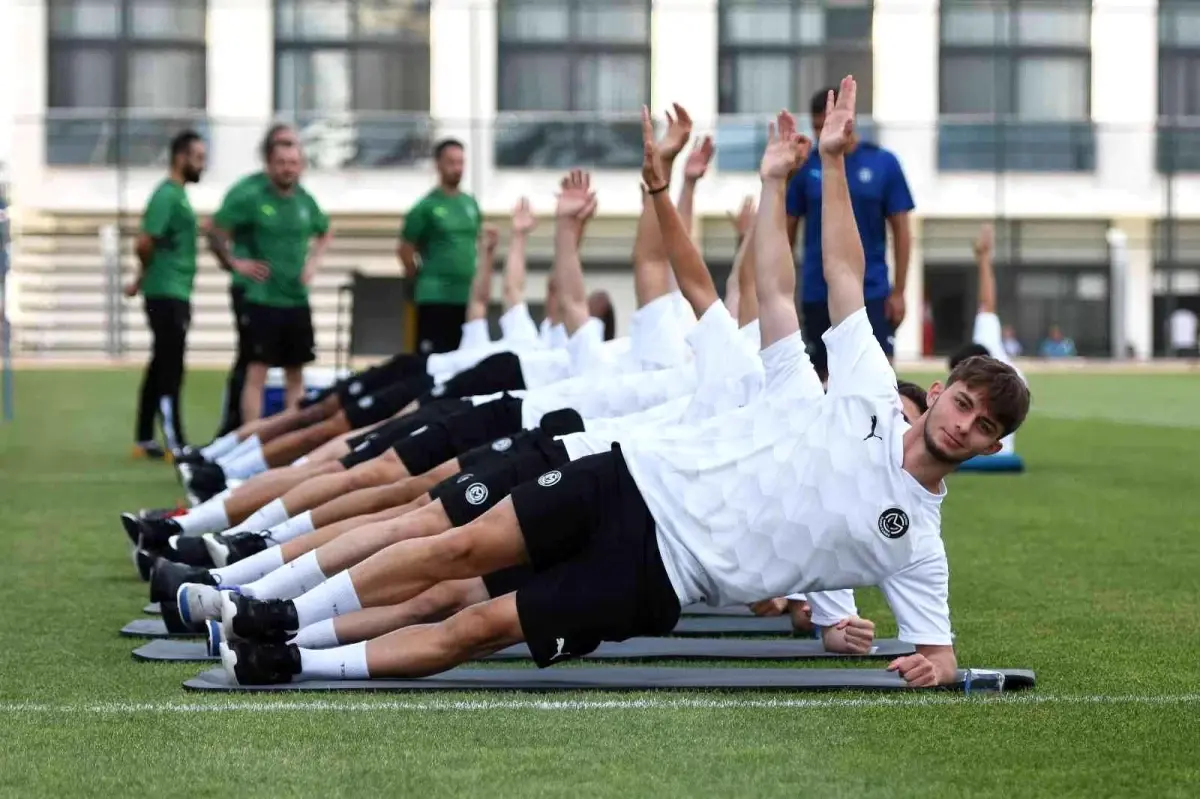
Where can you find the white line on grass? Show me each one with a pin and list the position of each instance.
(663, 703)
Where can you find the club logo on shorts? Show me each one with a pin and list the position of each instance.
(550, 478)
(477, 493)
(893, 523)
(366, 402)
(355, 388)
(502, 444)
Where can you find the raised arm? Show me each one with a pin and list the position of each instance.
(775, 276)
(691, 273)
(523, 223)
(741, 222)
(651, 269)
(841, 247)
(576, 203)
(694, 168)
(747, 309)
(984, 246)
(481, 285)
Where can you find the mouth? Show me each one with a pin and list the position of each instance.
(954, 442)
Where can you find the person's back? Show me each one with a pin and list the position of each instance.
(1182, 326)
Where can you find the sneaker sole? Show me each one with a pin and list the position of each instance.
(216, 550)
(229, 662)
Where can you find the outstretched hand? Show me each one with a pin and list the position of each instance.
(786, 149)
(837, 135)
(523, 220)
(491, 237)
(575, 195)
(652, 167)
(744, 218)
(679, 130)
(986, 240)
(698, 159)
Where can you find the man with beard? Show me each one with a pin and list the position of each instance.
(279, 221)
(437, 249)
(166, 250)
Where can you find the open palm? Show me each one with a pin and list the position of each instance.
(523, 219)
(574, 194)
(837, 135)
(785, 149)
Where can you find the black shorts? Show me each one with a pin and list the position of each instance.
(386, 435)
(280, 336)
(467, 495)
(439, 326)
(816, 322)
(507, 580)
(599, 576)
(495, 373)
(385, 403)
(448, 438)
(394, 370)
(558, 423)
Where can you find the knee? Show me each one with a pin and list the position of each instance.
(457, 548)
(485, 627)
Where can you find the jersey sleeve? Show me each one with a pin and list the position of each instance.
(157, 216)
(857, 365)
(586, 349)
(830, 607)
(235, 210)
(320, 220)
(987, 333)
(729, 372)
(517, 326)
(897, 199)
(416, 225)
(475, 334)
(797, 201)
(656, 334)
(919, 597)
(787, 367)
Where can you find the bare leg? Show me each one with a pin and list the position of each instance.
(387, 468)
(284, 450)
(377, 498)
(336, 449)
(439, 602)
(290, 550)
(252, 391)
(291, 419)
(356, 546)
(293, 390)
(431, 648)
(274, 484)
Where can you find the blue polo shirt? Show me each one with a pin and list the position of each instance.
(877, 190)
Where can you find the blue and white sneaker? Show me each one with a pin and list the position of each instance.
(199, 603)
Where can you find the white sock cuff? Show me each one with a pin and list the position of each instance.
(220, 446)
(321, 635)
(332, 598)
(293, 528)
(247, 570)
(339, 663)
(266, 517)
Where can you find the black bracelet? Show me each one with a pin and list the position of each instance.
(659, 190)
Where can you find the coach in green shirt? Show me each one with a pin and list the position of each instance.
(166, 250)
(231, 405)
(437, 245)
(276, 224)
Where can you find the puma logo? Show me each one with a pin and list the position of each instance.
(561, 643)
(872, 434)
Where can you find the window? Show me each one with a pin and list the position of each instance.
(354, 76)
(1015, 86)
(1178, 87)
(776, 54)
(573, 77)
(123, 77)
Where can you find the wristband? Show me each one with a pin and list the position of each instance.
(659, 190)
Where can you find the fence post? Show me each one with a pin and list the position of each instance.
(110, 249)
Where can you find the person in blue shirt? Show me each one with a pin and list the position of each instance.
(1056, 345)
(881, 200)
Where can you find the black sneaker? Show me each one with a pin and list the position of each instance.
(152, 534)
(260, 664)
(207, 478)
(144, 561)
(270, 620)
(189, 549)
(174, 621)
(243, 545)
(167, 576)
(189, 455)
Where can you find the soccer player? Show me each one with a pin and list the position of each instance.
(166, 250)
(882, 202)
(437, 249)
(281, 221)
(238, 258)
(798, 491)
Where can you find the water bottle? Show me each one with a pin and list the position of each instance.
(982, 681)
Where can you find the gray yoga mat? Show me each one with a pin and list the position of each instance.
(631, 678)
(153, 628)
(705, 610)
(153, 609)
(733, 625)
(634, 649)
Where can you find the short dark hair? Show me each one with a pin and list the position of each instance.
(817, 106)
(600, 306)
(444, 145)
(969, 350)
(918, 395)
(274, 145)
(183, 142)
(1006, 394)
(268, 143)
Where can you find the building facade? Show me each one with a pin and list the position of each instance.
(1059, 121)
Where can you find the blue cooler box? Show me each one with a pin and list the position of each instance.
(315, 379)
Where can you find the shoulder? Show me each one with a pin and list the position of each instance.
(880, 156)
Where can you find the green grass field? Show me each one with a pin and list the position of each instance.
(1086, 568)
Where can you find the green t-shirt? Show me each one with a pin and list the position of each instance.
(240, 238)
(170, 221)
(275, 229)
(444, 230)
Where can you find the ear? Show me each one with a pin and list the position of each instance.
(935, 391)
(993, 449)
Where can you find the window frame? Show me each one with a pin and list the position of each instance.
(1176, 135)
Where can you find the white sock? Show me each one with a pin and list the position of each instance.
(289, 581)
(247, 570)
(316, 636)
(222, 446)
(246, 466)
(266, 517)
(207, 517)
(332, 598)
(241, 449)
(340, 663)
(292, 528)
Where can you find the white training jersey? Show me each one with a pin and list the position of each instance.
(989, 334)
(518, 328)
(475, 334)
(801, 491)
(518, 334)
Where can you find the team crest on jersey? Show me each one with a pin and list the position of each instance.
(865, 175)
(550, 478)
(893, 523)
(477, 493)
(502, 444)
